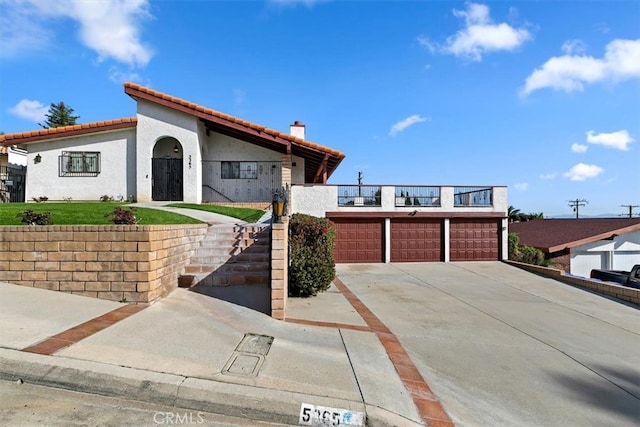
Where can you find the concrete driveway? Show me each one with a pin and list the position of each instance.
(503, 347)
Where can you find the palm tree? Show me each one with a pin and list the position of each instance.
(514, 214)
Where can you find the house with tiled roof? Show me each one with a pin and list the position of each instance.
(580, 245)
(172, 150)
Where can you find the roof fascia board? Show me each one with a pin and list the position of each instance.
(602, 236)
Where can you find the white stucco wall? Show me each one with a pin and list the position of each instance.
(621, 253)
(117, 163)
(297, 171)
(156, 122)
(324, 198)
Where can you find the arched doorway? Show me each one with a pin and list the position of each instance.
(166, 170)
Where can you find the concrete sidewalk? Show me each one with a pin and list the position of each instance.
(204, 216)
(190, 351)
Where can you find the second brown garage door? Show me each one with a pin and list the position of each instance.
(416, 240)
(359, 240)
(475, 240)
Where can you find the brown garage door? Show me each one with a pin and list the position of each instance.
(475, 240)
(359, 240)
(416, 240)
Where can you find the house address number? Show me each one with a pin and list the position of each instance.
(311, 415)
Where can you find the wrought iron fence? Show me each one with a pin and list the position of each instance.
(417, 196)
(359, 195)
(240, 181)
(472, 196)
(12, 184)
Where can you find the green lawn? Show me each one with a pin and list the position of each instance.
(244, 214)
(91, 213)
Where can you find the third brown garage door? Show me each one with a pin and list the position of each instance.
(474, 239)
(359, 240)
(416, 240)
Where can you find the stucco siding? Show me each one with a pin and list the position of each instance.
(621, 253)
(156, 122)
(117, 167)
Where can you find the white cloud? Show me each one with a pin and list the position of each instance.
(404, 124)
(573, 46)
(619, 140)
(579, 148)
(582, 172)
(30, 110)
(570, 72)
(479, 35)
(549, 176)
(118, 76)
(111, 28)
(522, 186)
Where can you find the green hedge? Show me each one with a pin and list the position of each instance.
(312, 266)
(526, 254)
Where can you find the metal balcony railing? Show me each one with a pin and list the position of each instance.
(360, 195)
(417, 196)
(472, 196)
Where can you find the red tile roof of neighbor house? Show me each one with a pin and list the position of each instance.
(320, 160)
(553, 235)
(66, 131)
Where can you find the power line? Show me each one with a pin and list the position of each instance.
(630, 207)
(576, 204)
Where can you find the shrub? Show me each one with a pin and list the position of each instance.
(312, 266)
(30, 217)
(123, 216)
(526, 254)
(106, 198)
(40, 199)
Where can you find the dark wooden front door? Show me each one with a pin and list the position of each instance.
(167, 179)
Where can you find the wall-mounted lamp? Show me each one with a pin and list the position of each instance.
(37, 158)
(279, 205)
(176, 149)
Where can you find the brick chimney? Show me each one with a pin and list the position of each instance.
(297, 129)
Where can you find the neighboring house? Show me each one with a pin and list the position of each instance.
(13, 161)
(580, 245)
(173, 150)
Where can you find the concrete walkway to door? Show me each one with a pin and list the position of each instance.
(503, 347)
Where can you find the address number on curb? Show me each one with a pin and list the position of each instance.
(311, 415)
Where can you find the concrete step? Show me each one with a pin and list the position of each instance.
(225, 268)
(219, 258)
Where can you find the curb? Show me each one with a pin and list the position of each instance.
(253, 403)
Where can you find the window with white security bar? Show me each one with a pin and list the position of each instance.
(79, 163)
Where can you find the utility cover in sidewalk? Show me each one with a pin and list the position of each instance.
(255, 344)
(248, 356)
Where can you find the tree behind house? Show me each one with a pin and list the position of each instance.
(59, 115)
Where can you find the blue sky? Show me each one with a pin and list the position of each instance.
(541, 96)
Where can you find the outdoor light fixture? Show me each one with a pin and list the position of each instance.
(37, 158)
(176, 149)
(279, 205)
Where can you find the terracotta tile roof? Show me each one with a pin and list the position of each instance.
(66, 131)
(317, 156)
(553, 235)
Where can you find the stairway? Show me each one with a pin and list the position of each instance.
(233, 263)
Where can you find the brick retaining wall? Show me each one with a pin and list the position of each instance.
(624, 293)
(136, 263)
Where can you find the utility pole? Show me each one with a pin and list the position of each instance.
(576, 204)
(630, 207)
(360, 184)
